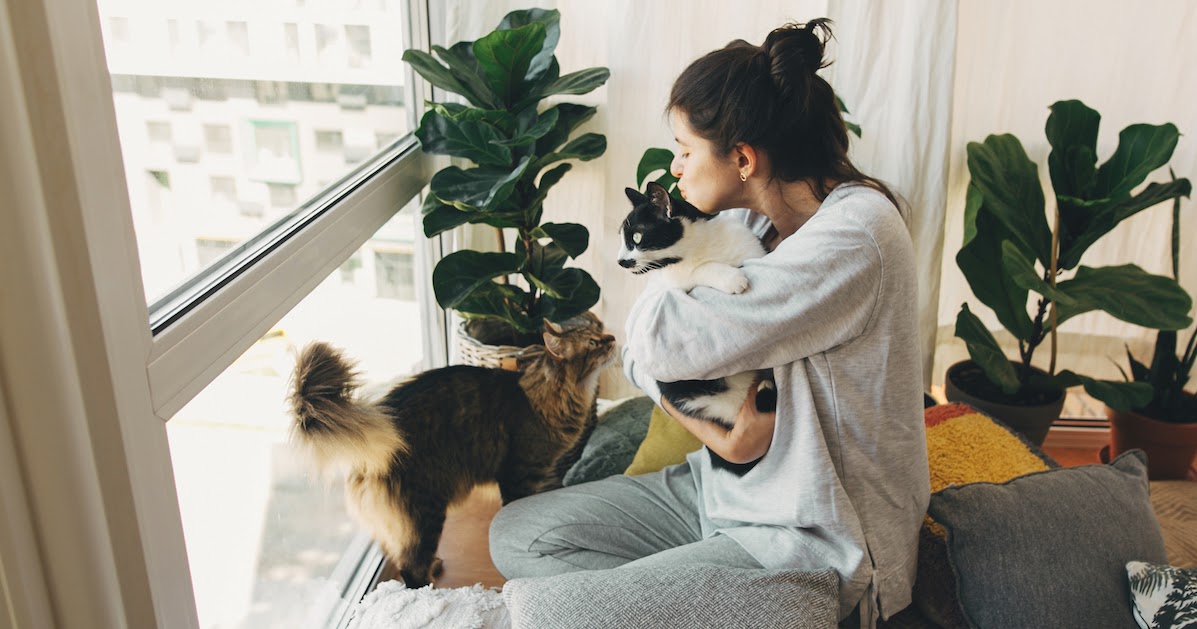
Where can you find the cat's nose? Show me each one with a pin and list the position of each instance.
(627, 263)
(608, 339)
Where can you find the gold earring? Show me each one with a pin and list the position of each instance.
(743, 177)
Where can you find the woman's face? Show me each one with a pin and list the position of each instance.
(709, 181)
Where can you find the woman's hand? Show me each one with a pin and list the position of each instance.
(747, 441)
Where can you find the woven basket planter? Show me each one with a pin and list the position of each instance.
(473, 349)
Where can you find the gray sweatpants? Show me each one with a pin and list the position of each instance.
(618, 521)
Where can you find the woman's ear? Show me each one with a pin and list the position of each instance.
(747, 160)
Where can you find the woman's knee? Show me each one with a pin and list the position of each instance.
(512, 531)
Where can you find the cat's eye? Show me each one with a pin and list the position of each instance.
(636, 237)
(593, 343)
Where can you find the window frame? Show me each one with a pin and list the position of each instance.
(92, 534)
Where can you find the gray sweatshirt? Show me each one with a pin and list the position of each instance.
(834, 312)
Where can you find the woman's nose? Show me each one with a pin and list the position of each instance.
(675, 167)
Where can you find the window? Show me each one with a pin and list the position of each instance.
(359, 45)
(224, 189)
(143, 365)
(282, 195)
(218, 138)
(393, 275)
(250, 116)
(329, 141)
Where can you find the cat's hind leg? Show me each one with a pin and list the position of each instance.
(418, 563)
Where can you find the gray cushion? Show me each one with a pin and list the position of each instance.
(612, 445)
(1049, 549)
(691, 596)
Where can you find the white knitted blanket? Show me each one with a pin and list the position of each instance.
(393, 606)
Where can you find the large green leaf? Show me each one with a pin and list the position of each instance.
(463, 65)
(1097, 218)
(439, 217)
(1009, 182)
(504, 57)
(653, 160)
(442, 77)
(984, 350)
(1022, 272)
(1072, 132)
(571, 237)
(551, 19)
(1120, 396)
(476, 189)
(543, 124)
(505, 302)
(462, 272)
(579, 82)
(1142, 148)
(547, 181)
(1128, 293)
(584, 147)
(980, 260)
(583, 293)
(500, 119)
(474, 140)
(570, 117)
(545, 263)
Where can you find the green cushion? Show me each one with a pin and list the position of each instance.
(614, 441)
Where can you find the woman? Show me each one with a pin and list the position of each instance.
(842, 477)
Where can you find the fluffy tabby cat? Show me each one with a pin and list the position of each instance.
(431, 439)
(687, 248)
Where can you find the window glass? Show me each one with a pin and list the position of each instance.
(269, 543)
(239, 90)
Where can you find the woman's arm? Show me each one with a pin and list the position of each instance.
(747, 441)
(816, 291)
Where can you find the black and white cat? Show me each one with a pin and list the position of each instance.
(685, 247)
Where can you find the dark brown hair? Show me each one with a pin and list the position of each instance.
(771, 97)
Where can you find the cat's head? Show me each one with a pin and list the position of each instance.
(580, 340)
(653, 229)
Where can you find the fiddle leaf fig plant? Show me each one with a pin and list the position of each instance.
(1010, 254)
(515, 147)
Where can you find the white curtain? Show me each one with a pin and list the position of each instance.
(923, 78)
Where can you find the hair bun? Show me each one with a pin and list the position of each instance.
(795, 53)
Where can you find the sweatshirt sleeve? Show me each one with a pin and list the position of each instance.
(817, 290)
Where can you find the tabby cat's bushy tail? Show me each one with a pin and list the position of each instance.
(331, 424)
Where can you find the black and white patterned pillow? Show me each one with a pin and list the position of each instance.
(1164, 597)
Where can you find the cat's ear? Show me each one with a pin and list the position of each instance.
(552, 340)
(634, 196)
(660, 198)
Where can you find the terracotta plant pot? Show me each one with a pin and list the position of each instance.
(1170, 447)
(1031, 418)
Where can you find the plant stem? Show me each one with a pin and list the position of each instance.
(1051, 278)
(502, 249)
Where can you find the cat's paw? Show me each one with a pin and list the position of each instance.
(732, 283)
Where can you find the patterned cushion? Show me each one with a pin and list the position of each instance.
(963, 446)
(1165, 597)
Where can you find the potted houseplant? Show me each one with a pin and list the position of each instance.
(1009, 252)
(1166, 427)
(505, 295)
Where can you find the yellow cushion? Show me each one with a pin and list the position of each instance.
(666, 443)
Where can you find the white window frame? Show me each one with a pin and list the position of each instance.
(90, 531)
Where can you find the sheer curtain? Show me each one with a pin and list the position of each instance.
(922, 78)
